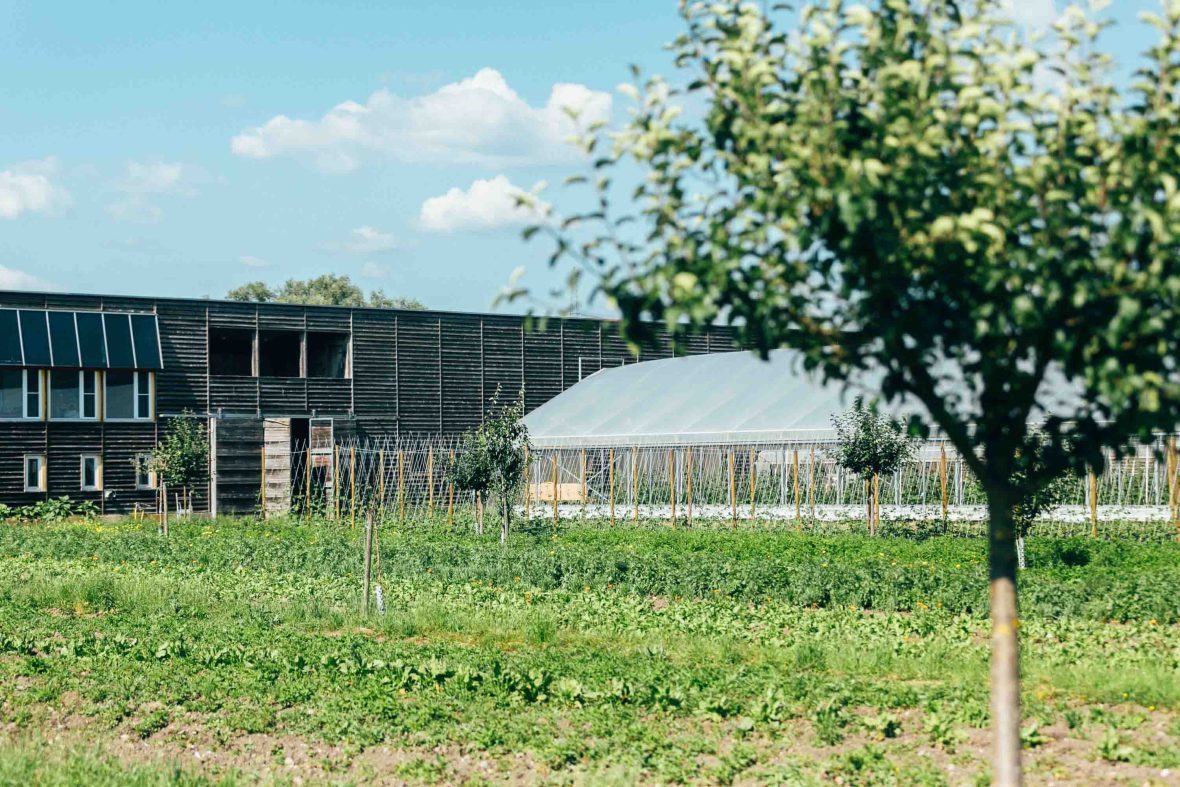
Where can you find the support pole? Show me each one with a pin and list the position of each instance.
(527, 485)
(583, 481)
(430, 482)
(876, 502)
(352, 485)
(688, 490)
(611, 482)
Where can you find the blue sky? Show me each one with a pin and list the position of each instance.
(183, 149)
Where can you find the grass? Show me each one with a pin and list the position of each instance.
(590, 655)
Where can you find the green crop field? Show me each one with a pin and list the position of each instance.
(235, 652)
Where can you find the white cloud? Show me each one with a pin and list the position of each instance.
(487, 204)
(12, 279)
(30, 187)
(365, 240)
(142, 183)
(251, 261)
(373, 270)
(479, 120)
(1034, 14)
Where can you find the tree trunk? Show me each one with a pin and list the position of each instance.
(869, 504)
(506, 511)
(1005, 641)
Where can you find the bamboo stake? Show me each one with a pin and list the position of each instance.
(611, 475)
(307, 483)
(450, 496)
(1093, 495)
(352, 485)
(368, 564)
(1174, 483)
(336, 480)
(795, 481)
(583, 480)
(876, 502)
(381, 483)
(401, 485)
(732, 495)
(672, 483)
(430, 482)
(554, 491)
(689, 489)
(942, 475)
(635, 481)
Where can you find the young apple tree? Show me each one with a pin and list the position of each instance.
(919, 193)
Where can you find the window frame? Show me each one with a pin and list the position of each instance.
(42, 473)
(81, 416)
(135, 394)
(97, 486)
(35, 374)
(142, 459)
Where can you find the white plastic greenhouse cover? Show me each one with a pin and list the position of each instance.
(719, 398)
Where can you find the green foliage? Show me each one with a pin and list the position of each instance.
(56, 509)
(491, 458)
(181, 459)
(327, 290)
(231, 629)
(871, 444)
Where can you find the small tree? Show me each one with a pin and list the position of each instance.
(491, 460)
(181, 458)
(871, 445)
(911, 192)
(1043, 499)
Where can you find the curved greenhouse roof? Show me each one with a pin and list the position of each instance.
(720, 398)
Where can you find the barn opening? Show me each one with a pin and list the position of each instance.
(327, 354)
(280, 353)
(231, 351)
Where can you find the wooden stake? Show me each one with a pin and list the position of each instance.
(401, 485)
(811, 482)
(368, 575)
(450, 496)
(942, 476)
(527, 485)
(611, 482)
(1093, 504)
(753, 485)
(262, 486)
(307, 483)
(336, 480)
(381, 484)
(430, 482)
(1174, 483)
(672, 483)
(635, 481)
(732, 494)
(795, 482)
(554, 491)
(352, 485)
(688, 490)
(583, 478)
(876, 502)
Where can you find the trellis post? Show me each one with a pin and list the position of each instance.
(688, 490)
(732, 494)
(611, 482)
(672, 483)
(430, 482)
(795, 483)
(942, 476)
(554, 491)
(352, 485)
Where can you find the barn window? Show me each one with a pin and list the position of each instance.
(35, 476)
(231, 351)
(73, 394)
(327, 355)
(280, 353)
(91, 472)
(128, 395)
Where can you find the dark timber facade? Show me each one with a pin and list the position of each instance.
(79, 421)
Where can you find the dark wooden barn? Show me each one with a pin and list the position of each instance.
(86, 382)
